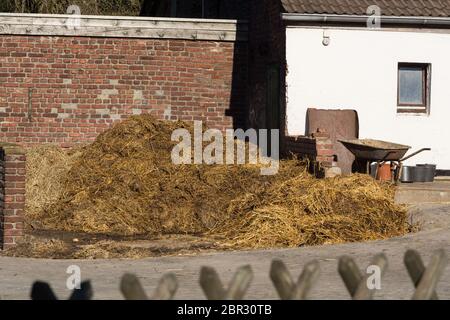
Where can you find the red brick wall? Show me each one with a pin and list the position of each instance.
(69, 89)
(324, 148)
(12, 194)
(318, 148)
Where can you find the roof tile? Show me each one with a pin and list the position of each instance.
(422, 8)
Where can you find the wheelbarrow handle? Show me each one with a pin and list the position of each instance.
(415, 154)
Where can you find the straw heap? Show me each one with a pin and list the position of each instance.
(125, 184)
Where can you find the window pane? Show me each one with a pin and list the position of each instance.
(411, 85)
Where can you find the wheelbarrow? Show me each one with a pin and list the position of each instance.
(368, 151)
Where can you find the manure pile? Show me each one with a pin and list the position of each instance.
(47, 166)
(125, 184)
(307, 211)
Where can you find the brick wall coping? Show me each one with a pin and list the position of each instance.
(299, 137)
(123, 27)
(11, 148)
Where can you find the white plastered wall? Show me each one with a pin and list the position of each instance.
(358, 70)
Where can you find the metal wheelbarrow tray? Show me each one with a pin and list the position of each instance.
(376, 150)
(369, 150)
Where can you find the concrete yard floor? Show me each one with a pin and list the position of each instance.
(17, 274)
(415, 193)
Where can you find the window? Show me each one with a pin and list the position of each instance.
(414, 83)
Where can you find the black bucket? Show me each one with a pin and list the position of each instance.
(425, 173)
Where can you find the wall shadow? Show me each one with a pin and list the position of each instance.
(239, 98)
(217, 9)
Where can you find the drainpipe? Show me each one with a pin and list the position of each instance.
(324, 18)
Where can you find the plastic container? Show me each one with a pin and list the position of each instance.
(425, 173)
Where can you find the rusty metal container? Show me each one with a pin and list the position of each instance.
(384, 172)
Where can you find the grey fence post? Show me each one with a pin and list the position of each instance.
(350, 274)
(416, 269)
(214, 289)
(132, 289)
(355, 282)
(167, 287)
(281, 279)
(284, 284)
(430, 278)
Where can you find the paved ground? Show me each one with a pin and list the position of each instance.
(17, 274)
(416, 193)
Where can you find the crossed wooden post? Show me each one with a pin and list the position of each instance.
(131, 288)
(355, 281)
(214, 290)
(43, 291)
(425, 279)
(289, 290)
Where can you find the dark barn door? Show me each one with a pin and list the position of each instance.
(273, 97)
(273, 101)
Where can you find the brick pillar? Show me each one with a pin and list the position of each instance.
(12, 194)
(324, 148)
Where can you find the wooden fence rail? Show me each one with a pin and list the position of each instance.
(425, 280)
(285, 286)
(354, 280)
(214, 289)
(132, 289)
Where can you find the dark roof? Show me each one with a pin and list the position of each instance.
(413, 8)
